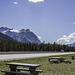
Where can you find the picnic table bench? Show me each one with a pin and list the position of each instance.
(15, 70)
(13, 73)
(24, 69)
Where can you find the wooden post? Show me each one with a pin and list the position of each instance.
(32, 70)
(13, 68)
(7, 74)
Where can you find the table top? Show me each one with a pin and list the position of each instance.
(24, 64)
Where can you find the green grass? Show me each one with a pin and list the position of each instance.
(47, 67)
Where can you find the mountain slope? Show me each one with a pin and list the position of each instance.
(72, 45)
(5, 37)
(23, 36)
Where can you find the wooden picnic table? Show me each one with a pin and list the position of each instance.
(32, 67)
(61, 59)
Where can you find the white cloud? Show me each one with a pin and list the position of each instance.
(66, 39)
(72, 35)
(15, 2)
(73, 22)
(35, 1)
(39, 37)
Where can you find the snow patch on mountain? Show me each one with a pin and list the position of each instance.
(13, 30)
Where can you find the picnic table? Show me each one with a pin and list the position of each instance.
(73, 57)
(14, 71)
(61, 59)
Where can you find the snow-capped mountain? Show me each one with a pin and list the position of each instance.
(23, 36)
(72, 45)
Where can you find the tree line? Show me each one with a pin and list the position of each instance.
(6, 46)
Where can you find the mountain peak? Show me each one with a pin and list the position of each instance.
(23, 36)
(28, 30)
(22, 30)
(4, 29)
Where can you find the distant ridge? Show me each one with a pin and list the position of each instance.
(72, 45)
(23, 36)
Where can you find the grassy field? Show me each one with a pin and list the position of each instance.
(47, 67)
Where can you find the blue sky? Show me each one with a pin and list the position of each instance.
(52, 20)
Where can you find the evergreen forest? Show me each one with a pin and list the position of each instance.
(6, 46)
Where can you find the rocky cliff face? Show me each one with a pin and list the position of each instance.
(23, 36)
